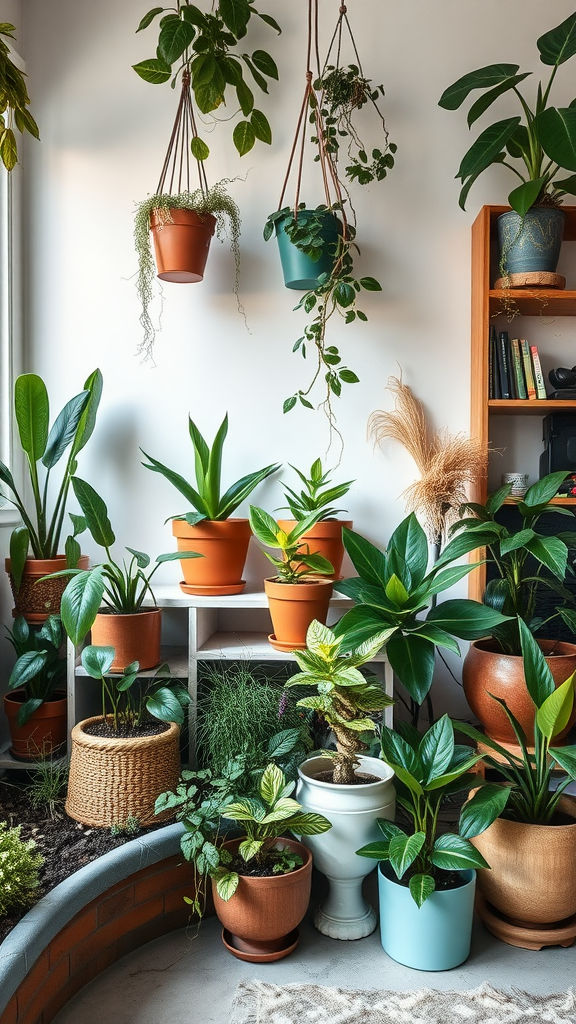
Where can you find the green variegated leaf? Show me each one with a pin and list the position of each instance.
(421, 887)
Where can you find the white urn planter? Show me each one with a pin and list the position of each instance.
(353, 811)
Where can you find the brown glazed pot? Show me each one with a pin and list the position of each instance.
(532, 876)
(293, 606)
(44, 733)
(181, 243)
(224, 546)
(264, 911)
(325, 538)
(485, 670)
(134, 637)
(37, 600)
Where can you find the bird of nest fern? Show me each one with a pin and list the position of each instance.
(447, 462)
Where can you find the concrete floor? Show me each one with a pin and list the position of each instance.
(181, 980)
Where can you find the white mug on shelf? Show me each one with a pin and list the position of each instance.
(519, 483)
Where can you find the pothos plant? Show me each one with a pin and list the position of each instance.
(205, 45)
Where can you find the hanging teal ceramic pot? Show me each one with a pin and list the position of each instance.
(532, 243)
(300, 271)
(435, 937)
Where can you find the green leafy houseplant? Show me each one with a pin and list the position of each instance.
(121, 587)
(296, 561)
(39, 668)
(345, 698)
(429, 769)
(312, 498)
(527, 562)
(14, 102)
(545, 143)
(127, 700)
(208, 805)
(70, 431)
(205, 46)
(19, 868)
(392, 591)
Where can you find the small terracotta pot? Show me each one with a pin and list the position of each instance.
(293, 606)
(264, 910)
(224, 546)
(181, 243)
(134, 637)
(45, 732)
(35, 600)
(485, 670)
(532, 876)
(325, 538)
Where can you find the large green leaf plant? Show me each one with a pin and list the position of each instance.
(544, 142)
(39, 668)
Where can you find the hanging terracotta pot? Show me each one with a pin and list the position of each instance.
(224, 546)
(181, 243)
(293, 606)
(44, 734)
(325, 538)
(261, 919)
(134, 637)
(37, 600)
(300, 271)
(486, 671)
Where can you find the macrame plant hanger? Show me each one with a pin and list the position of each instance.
(176, 168)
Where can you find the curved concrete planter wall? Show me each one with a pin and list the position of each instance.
(113, 905)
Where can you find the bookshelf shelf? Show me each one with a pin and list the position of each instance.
(534, 301)
(526, 407)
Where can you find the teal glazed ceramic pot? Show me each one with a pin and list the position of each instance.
(435, 937)
(531, 244)
(301, 272)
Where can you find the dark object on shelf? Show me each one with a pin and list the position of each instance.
(564, 395)
(563, 379)
(559, 437)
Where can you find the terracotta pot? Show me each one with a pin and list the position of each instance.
(112, 779)
(134, 637)
(45, 732)
(293, 606)
(532, 876)
(181, 243)
(224, 546)
(325, 538)
(485, 670)
(263, 912)
(35, 600)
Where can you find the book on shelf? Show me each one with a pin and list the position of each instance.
(538, 375)
(528, 369)
(503, 365)
(493, 373)
(518, 369)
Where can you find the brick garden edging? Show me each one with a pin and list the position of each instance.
(106, 909)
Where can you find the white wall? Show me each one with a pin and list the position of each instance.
(104, 133)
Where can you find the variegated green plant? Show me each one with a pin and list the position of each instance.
(345, 697)
(295, 559)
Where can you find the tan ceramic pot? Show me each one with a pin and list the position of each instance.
(223, 545)
(263, 912)
(133, 637)
(37, 600)
(486, 671)
(181, 244)
(44, 733)
(325, 538)
(532, 876)
(293, 606)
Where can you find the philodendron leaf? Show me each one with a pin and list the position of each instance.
(559, 44)
(452, 853)
(483, 78)
(31, 408)
(523, 197)
(554, 714)
(226, 885)
(421, 887)
(403, 851)
(97, 660)
(153, 70)
(482, 809)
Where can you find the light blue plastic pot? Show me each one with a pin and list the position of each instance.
(300, 272)
(534, 245)
(435, 937)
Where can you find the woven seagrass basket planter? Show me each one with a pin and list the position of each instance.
(114, 779)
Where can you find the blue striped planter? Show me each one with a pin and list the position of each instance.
(531, 244)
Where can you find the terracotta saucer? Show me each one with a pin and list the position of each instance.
(229, 941)
(197, 591)
(535, 936)
(279, 645)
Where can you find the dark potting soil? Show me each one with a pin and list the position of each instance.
(249, 870)
(443, 879)
(65, 844)
(360, 778)
(124, 732)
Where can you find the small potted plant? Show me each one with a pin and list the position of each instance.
(350, 788)
(35, 705)
(529, 897)
(14, 102)
(301, 590)
(426, 878)
(122, 622)
(35, 546)
(318, 495)
(260, 880)
(124, 758)
(210, 529)
(531, 233)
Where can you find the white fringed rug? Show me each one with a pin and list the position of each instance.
(257, 1002)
